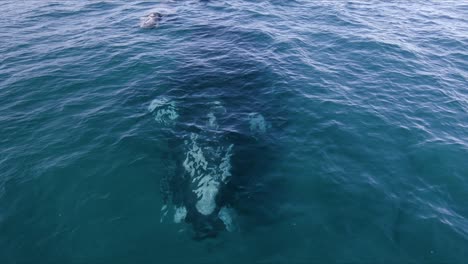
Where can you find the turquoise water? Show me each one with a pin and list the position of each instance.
(348, 122)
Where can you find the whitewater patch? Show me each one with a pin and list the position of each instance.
(164, 110)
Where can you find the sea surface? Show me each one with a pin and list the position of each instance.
(348, 122)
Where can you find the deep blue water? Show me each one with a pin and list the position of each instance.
(342, 127)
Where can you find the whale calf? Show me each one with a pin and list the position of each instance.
(150, 21)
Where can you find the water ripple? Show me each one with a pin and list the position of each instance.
(364, 107)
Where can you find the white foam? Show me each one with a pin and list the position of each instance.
(165, 116)
(158, 102)
(257, 123)
(180, 214)
(165, 111)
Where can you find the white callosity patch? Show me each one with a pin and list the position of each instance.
(195, 161)
(164, 210)
(257, 123)
(212, 121)
(226, 215)
(206, 193)
(225, 166)
(180, 214)
(208, 169)
(165, 111)
(216, 109)
(151, 20)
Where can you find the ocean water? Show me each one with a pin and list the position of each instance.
(340, 128)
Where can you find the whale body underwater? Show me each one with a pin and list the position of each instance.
(217, 150)
(199, 185)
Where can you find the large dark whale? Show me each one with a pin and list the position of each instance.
(201, 183)
(218, 147)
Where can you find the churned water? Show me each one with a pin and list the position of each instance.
(234, 131)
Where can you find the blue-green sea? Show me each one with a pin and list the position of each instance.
(234, 131)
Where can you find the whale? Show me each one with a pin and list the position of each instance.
(215, 130)
(199, 188)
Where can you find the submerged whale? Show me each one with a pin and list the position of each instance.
(216, 129)
(200, 187)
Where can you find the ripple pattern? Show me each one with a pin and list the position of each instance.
(360, 110)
